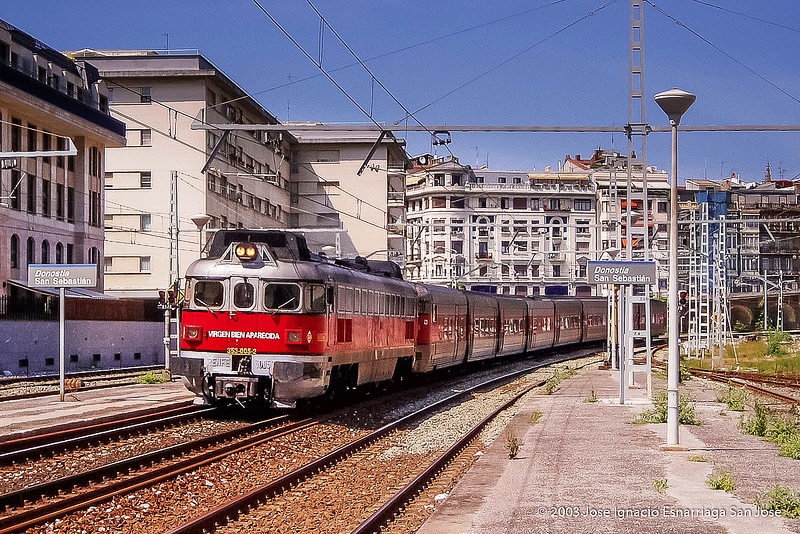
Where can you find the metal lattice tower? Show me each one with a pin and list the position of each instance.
(637, 128)
(719, 317)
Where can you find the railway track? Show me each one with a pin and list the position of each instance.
(49, 443)
(754, 382)
(327, 476)
(18, 388)
(215, 470)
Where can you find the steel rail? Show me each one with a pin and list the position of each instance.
(234, 507)
(46, 444)
(29, 493)
(54, 510)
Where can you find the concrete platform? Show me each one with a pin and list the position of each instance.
(28, 416)
(585, 467)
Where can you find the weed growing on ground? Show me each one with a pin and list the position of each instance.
(733, 398)
(780, 498)
(535, 416)
(552, 383)
(152, 377)
(697, 458)
(556, 377)
(658, 413)
(592, 397)
(660, 485)
(756, 425)
(513, 443)
(777, 428)
(721, 479)
(776, 341)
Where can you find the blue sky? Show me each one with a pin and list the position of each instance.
(548, 63)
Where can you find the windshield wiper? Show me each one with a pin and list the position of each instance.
(200, 301)
(282, 306)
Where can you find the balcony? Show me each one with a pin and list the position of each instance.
(396, 199)
(483, 256)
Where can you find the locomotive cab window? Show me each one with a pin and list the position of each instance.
(282, 297)
(315, 298)
(243, 295)
(208, 294)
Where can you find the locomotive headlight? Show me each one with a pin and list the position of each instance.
(293, 336)
(246, 251)
(192, 332)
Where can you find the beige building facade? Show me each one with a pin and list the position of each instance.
(348, 192)
(174, 173)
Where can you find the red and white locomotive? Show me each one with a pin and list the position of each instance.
(265, 319)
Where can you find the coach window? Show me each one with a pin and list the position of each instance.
(208, 294)
(282, 297)
(243, 295)
(315, 298)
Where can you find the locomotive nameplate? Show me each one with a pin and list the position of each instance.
(241, 351)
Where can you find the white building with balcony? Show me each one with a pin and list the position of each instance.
(508, 232)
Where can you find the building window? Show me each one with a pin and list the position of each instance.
(457, 179)
(16, 181)
(556, 271)
(70, 252)
(46, 198)
(501, 180)
(144, 95)
(45, 252)
(31, 194)
(146, 221)
(325, 156)
(139, 137)
(14, 251)
(663, 207)
(108, 264)
(520, 203)
(60, 201)
(438, 180)
(144, 264)
(31, 137)
(145, 180)
(16, 135)
(30, 252)
(59, 253)
(582, 204)
(70, 204)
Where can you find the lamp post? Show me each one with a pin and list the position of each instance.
(674, 103)
(201, 220)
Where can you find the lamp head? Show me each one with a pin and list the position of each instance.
(674, 103)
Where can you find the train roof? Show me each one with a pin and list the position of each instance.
(285, 245)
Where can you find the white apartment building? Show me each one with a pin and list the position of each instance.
(51, 206)
(174, 169)
(509, 232)
(609, 174)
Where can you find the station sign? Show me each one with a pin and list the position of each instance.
(62, 275)
(621, 272)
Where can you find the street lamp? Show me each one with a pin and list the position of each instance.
(201, 220)
(674, 103)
